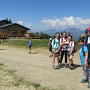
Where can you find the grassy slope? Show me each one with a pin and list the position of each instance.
(24, 43)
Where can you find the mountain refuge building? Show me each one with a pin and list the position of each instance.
(9, 29)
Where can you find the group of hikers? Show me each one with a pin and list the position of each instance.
(63, 44)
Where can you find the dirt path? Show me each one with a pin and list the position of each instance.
(38, 68)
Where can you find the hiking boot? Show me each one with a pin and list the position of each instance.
(83, 81)
(66, 65)
(71, 67)
(59, 64)
(88, 85)
(56, 67)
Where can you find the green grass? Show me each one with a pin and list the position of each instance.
(24, 43)
(43, 43)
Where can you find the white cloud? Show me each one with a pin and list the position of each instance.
(66, 22)
(20, 22)
(29, 25)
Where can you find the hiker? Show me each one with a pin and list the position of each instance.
(63, 43)
(4, 38)
(83, 57)
(30, 45)
(70, 52)
(50, 46)
(56, 50)
(87, 44)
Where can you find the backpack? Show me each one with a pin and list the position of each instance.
(87, 39)
(75, 47)
(88, 46)
(49, 43)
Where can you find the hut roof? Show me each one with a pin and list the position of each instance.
(13, 26)
(3, 22)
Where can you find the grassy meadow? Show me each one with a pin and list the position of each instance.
(23, 43)
(43, 43)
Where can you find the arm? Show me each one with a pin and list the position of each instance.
(48, 43)
(86, 57)
(62, 43)
(67, 42)
(86, 54)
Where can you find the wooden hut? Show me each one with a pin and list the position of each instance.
(7, 28)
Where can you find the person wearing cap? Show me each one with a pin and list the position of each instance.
(86, 65)
(83, 53)
(56, 51)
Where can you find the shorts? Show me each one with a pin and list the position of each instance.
(68, 53)
(53, 52)
(30, 46)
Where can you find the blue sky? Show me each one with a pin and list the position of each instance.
(42, 14)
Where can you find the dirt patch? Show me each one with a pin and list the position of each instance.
(37, 67)
(10, 81)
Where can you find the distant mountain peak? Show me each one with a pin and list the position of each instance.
(76, 32)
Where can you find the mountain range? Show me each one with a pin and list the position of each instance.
(76, 32)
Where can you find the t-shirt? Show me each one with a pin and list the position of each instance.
(82, 57)
(30, 43)
(64, 47)
(55, 43)
(70, 45)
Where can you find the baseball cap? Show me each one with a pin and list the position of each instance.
(88, 29)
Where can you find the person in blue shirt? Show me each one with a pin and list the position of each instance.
(56, 50)
(30, 45)
(83, 58)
